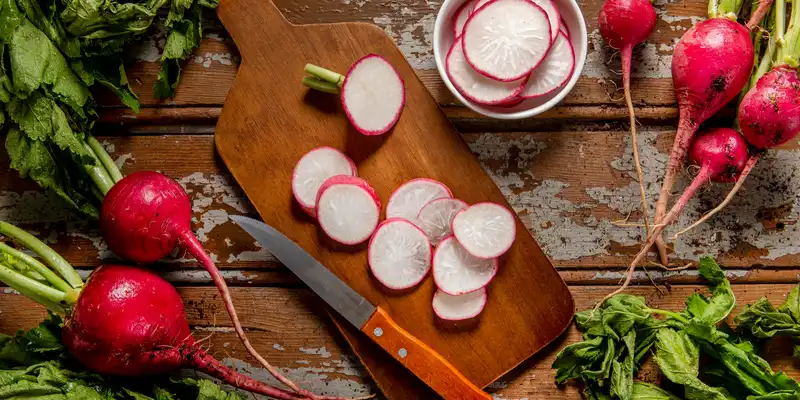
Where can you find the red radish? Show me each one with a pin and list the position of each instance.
(436, 218)
(399, 254)
(485, 230)
(407, 200)
(313, 169)
(506, 39)
(721, 154)
(348, 209)
(145, 216)
(461, 16)
(373, 95)
(564, 28)
(459, 308)
(555, 70)
(475, 86)
(624, 24)
(457, 272)
(710, 66)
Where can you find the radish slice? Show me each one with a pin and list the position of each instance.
(486, 230)
(506, 39)
(436, 218)
(373, 95)
(399, 254)
(459, 308)
(479, 4)
(348, 209)
(564, 28)
(555, 70)
(407, 200)
(457, 272)
(314, 168)
(553, 16)
(461, 16)
(475, 86)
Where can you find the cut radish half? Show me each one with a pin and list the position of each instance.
(564, 28)
(553, 16)
(314, 168)
(555, 71)
(486, 230)
(479, 4)
(506, 39)
(461, 16)
(373, 95)
(457, 272)
(410, 197)
(436, 218)
(475, 86)
(399, 254)
(458, 308)
(348, 209)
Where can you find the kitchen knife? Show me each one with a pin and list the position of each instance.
(417, 357)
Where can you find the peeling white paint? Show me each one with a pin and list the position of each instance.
(648, 60)
(321, 351)
(278, 347)
(8, 290)
(413, 39)
(208, 58)
(656, 273)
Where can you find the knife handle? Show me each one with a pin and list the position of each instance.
(423, 361)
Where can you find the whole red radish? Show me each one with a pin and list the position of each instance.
(625, 24)
(710, 66)
(145, 216)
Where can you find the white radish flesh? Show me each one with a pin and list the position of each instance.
(436, 218)
(457, 272)
(461, 16)
(399, 254)
(553, 16)
(485, 230)
(564, 28)
(373, 95)
(506, 39)
(407, 200)
(459, 308)
(477, 87)
(314, 168)
(555, 70)
(348, 209)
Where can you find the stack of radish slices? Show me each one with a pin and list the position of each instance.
(506, 51)
(421, 214)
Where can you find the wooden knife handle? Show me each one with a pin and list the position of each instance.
(420, 359)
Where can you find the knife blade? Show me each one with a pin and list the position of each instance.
(419, 358)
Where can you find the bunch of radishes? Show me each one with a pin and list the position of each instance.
(420, 214)
(506, 51)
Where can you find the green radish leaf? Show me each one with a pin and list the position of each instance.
(792, 304)
(10, 18)
(779, 395)
(571, 361)
(103, 70)
(646, 391)
(715, 309)
(678, 357)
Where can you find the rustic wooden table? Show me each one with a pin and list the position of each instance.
(568, 174)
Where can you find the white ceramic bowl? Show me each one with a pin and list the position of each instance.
(443, 40)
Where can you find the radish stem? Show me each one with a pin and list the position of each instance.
(53, 259)
(37, 266)
(322, 86)
(97, 172)
(724, 9)
(759, 14)
(105, 159)
(39, 292)
(790, 43)
(324, 74)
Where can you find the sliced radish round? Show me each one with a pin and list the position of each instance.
(457, 272)
(506, 39)
(555, 70)
(486, 230)
(564, 28)
(461, 16)
(479, 4)
(436, 218)
(553, 16)
(475, 86)
(348, 209)
(314, 168)
(399, 254)
(373, 95)
(410, 197)
(458, 308)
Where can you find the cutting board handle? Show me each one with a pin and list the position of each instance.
(239, 16)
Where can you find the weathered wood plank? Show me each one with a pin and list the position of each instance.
(569, 188)
(290, 329)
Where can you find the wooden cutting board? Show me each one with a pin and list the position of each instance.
(270, 120)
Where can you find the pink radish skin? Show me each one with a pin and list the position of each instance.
(477, 87)
(710, 66)
(461, 16)
(556, 69)
(318, 165)
(456, 272)
(130, 322)
(478, 5)
(553, 16)
(392, 233)
(494, 30)
(145, 216)
(459, 308)
(436, 218)
(564, 28)
(387, 86)
(482, 237)
(408, 199)
(361, 196)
